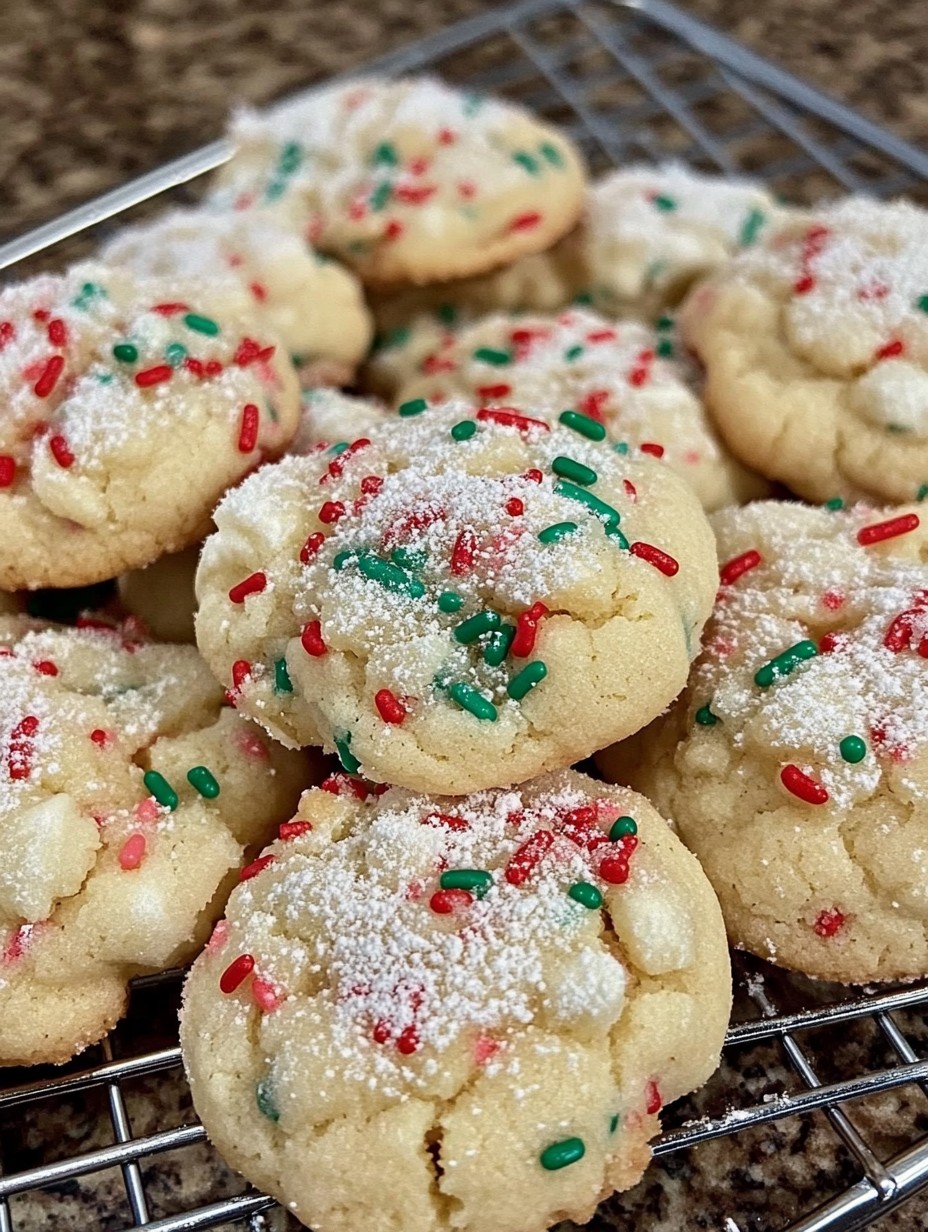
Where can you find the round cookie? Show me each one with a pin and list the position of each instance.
(162, 595)
(633, 379)
(315, 306)
(796, 763)
(653, 231)
(330, 417)
(112, 861)
(821, 334)
(484, 999)
(427, 600)
(409, 180)
(128, 407)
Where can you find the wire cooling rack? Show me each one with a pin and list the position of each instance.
(817, 1120)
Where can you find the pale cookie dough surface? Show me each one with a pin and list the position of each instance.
(313, 304)
(163, 596)
(329, 417)
(652, 231)
(632, 378)
(461, 1044)
(350, 579)
(109, 458)
(409, 180)
(835, 885)
(815, 345)
(98, 880)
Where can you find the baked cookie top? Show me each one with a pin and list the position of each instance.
(635, 380)
(426, 599)
(329, 417)
(408, 180)
(522, 975)
(128, 407)
(822, 331)
(128, 795)
(794, 764)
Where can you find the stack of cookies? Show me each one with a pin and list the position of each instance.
(417, 603)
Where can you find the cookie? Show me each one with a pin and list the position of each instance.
(486, 999)
(128, 407)
(426, 600)
(796, 763)
(314, 305)
(634, 380)
(129, 797)
(822, 331)
(330, 417)
(653, 231)
(162, 595)
(409, 180)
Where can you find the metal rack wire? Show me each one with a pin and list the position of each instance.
(630, 81)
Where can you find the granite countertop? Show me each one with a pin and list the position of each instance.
(93, 94)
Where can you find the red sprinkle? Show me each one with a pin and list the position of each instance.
(252, 585)
(393, 230)
(407, 1041)
(371, 485)
(525, 222)
(389, 706)
(601, 335)
(21, 750)
(889, 529)
(592, 404)
(248, 352)
(100, 737)
(255, 867)
(54, 366)
(802, 786)
(652, 448)
(803, 285)
(489, 393)
(661, 561)
(526, 858)
(343, 784)
(448, 820)
(293, 829)
(154, 376)
(447, 136)
(413, 194)
(630, 490)
(514, 507)
(331, 512)
(533, 476)
(45, 667)
(829, 921)
(614, 867)
(833, 600)
(463, 552)
(511, 419)
(311, 546)
(416, 519)
(444, 902)
(891, 349)
(169, 310)
(267, 996)
(652, 1096)
(733, 570)
(57, 332)
(337, 465)
(132, 852)
(831, 641)
(236, 973)
(7, 333)
(7, 470)
(311, 639)
(523, 643)
(61, 451)
(248, 432)
(258, 290)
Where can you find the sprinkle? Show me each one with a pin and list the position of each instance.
(449, 602)
(653, 1100)
(525, 160)
(391, 577)
(258, 290)
(289, 830)
(613, 868)
(750, 227)
(444, 902)
(267, 996)
(463, 552)
(473, 702)
(527, 629)
(891, 349)
(54, 366)
(613, 1123)
(252, 585)
(652, 448)
(525, 222)
(393, 229)
(586, 895)
(525, 859)
(249, 352)
(343, 455)
(125, 352)
(282, 681)
(567, 468)
(389, 707)
(7, 333)
(160, 788)
(511, 419)
(551, 154)
(381, 195)
(599, 508)
(533, 476)
(739, 565)
(515, 507)
(241, 671)
(7, 470)
(623, 827)
(312, 545)
(782, 664)
(853, 749)
(664, 204)
(497, 645)
(371, 485)
(555, 533)
(236, 973)
(705, 717)
(448, 820)
(22, 748)
(523, 682)
(890, 529)
(385, 155)
(573, 353)
(407, 1041)
(472, 879)
(561, 1154)
(489, 355)
(203, 781)
(255, 867)
(169, 310)
(802, 786)
(132, 852)
(154, 376)
(61, 451)
(583, 424)
(829, 922)
(464, 430)
(415, 406)
(469, 630)
(311, 639)
(662, 561)
(922, 492)
(345, 756)
(175, 353)
(100, 737)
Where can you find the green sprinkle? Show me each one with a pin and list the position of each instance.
(497, 645)
(125, 352)
(345, 756)
(551, 154)
(160, 788)
(587, 427)
(613, 532)
(705, 717)
(613, 1123)
(583, 299)
(527, 161)
(290, 158)
(750, 227)
(835, 503)
(782, 664)
(275, 189)
(664, 348)
(586, 895)
(396, 337)
(490, 355)
(337, 448)
(664, 204)
(567, 468)
(282, 681)
(265, 1100)
(175, 353)
(415, 406)
(573, 352)
(448, 601)
(473, 702)
(464, 430)
(665, 322)
(201, 325)
(557, 532)
(622, 827)
(342, 559)
(560, 1154)
(922, 303)
(853, 749)
(385, 155)
(523, 682)
(389, 576)
(201, 780)
(104, 378)
(466, 879)
(596, 506)
(87, 294)
(446, 313)
(469, 630)
(922, 492)
(408, 558)
(381, 195)
(472, 103)
(620, 447)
